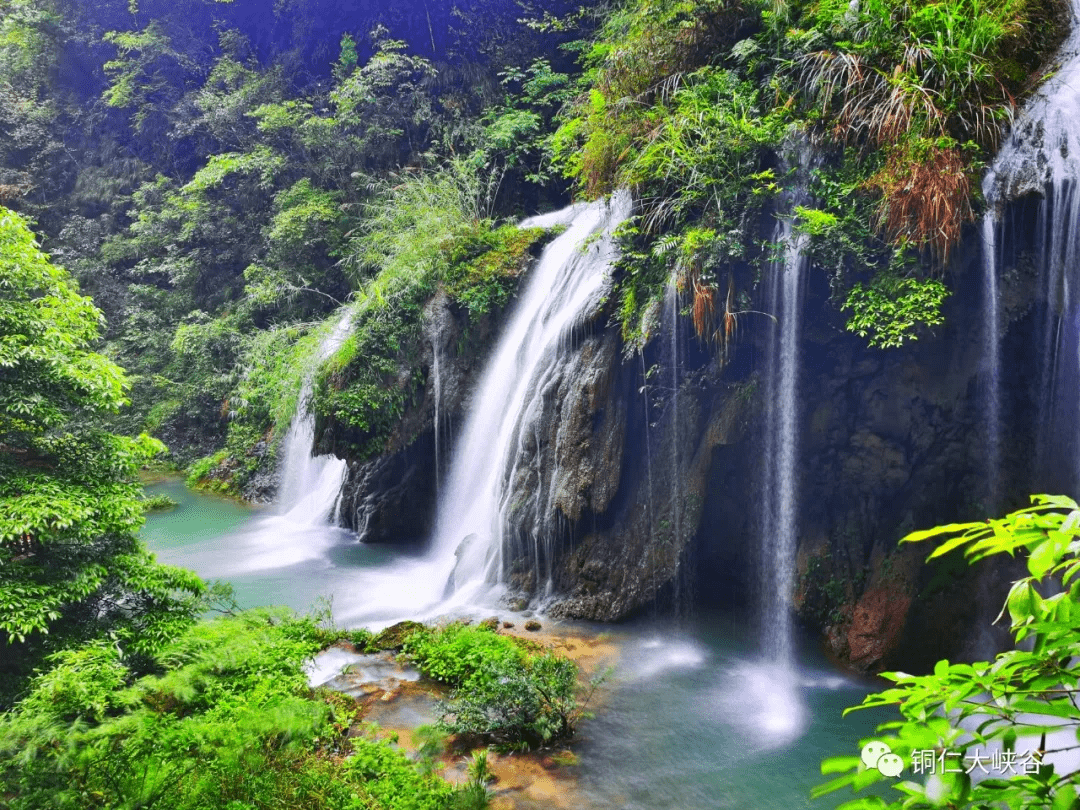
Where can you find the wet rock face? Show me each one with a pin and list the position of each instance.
(640, 552)
(392, 497)
(893, 442)
(876, 626)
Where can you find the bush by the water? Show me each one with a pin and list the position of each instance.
(506, 691)
(158, 503)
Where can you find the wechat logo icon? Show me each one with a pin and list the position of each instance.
(879, 756)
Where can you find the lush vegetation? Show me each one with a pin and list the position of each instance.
(365, 386)
(115, 694)
(706, 109)
(71, 566)
(1012, 702)
(224, 719)
(505, 692)
(223, 183)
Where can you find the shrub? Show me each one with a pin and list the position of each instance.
(527, 704)
(505, 692)
(456, 654)
(227, 721)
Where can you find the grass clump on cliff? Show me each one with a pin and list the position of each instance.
(427, 230)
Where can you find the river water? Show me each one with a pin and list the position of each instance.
(691, 719)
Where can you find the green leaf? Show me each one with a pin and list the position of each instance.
(839, 764)
(1065, 798)
(1043, 557)
(831, 786)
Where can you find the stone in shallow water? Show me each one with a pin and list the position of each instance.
(358, 674)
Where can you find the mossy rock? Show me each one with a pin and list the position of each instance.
(395, 636)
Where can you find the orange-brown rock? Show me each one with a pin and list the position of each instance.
(877, 625)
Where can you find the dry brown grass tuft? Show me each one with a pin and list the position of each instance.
(926, 199)
(704, 309)
(9, 192)
(717, 329)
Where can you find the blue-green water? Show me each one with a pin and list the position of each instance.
(690, 719)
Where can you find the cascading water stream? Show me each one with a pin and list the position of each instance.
(300, 529)
(310, 484)
(436, 384)
(992, 355)
(780, 502)
(1042, 156)
(464, 559)
(569, 279)
(676, 484)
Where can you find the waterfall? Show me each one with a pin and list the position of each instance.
(436, 385)
(676, 483)
(645, 394)
(1042, 156)
(310, 484)
(568, 281)
(780, 501)
(992, 357)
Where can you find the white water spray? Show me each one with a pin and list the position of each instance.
(676, 484)
(310, 484)
(436, 385)
(992, 357)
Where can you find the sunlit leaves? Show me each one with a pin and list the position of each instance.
(1029, 692)
(891, 310)
(69, 500)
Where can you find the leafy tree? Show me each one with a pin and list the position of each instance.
(71, 566)
(1031, 691)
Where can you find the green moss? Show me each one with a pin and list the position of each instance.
(366, 386)
(486, 283)
(395, 636)
(200, 473)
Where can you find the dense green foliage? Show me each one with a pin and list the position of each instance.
(701, 106)
(203, 170)
(71, 565)
(221, 183)
(227, 181)
(226, 720)
(1028, 691)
